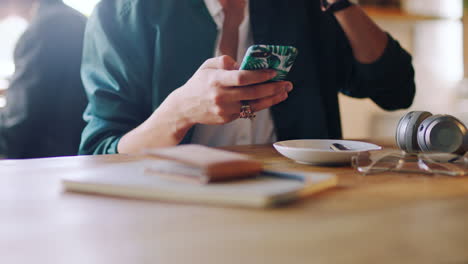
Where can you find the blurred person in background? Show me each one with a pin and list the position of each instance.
(45, 98)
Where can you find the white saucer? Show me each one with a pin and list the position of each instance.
(318, 152)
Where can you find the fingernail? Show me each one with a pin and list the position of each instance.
(273, 73)
(289, 87)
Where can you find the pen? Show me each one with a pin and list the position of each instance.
(283, 175)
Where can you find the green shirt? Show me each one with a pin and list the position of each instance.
(137, 52)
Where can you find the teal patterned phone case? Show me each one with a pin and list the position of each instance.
(280, 58)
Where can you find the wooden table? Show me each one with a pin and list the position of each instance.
(367, 219)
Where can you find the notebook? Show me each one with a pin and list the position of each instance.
(204, 164)
(134, 180)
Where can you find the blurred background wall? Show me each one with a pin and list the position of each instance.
(432, 31)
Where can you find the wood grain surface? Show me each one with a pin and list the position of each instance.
(366, 219)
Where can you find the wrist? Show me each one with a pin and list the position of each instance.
(165, 127)
(178, 118)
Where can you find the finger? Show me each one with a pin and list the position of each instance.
(245, 78)
(264, 103)
(222, 62)
(227, 112)
(259, 91)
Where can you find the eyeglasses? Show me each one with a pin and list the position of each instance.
(421, 163)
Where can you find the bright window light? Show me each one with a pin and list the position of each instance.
(84, 6)
(438, 8)
(11, 29)
(2, 102)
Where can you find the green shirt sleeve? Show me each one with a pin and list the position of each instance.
(389, 81)
(116, 73)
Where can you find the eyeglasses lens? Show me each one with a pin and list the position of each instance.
(419, 163)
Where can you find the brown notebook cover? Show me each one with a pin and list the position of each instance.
(204, 164)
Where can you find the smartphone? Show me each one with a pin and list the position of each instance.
(279, 58)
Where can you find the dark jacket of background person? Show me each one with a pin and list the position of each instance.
(138, 51)
(46, 98)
